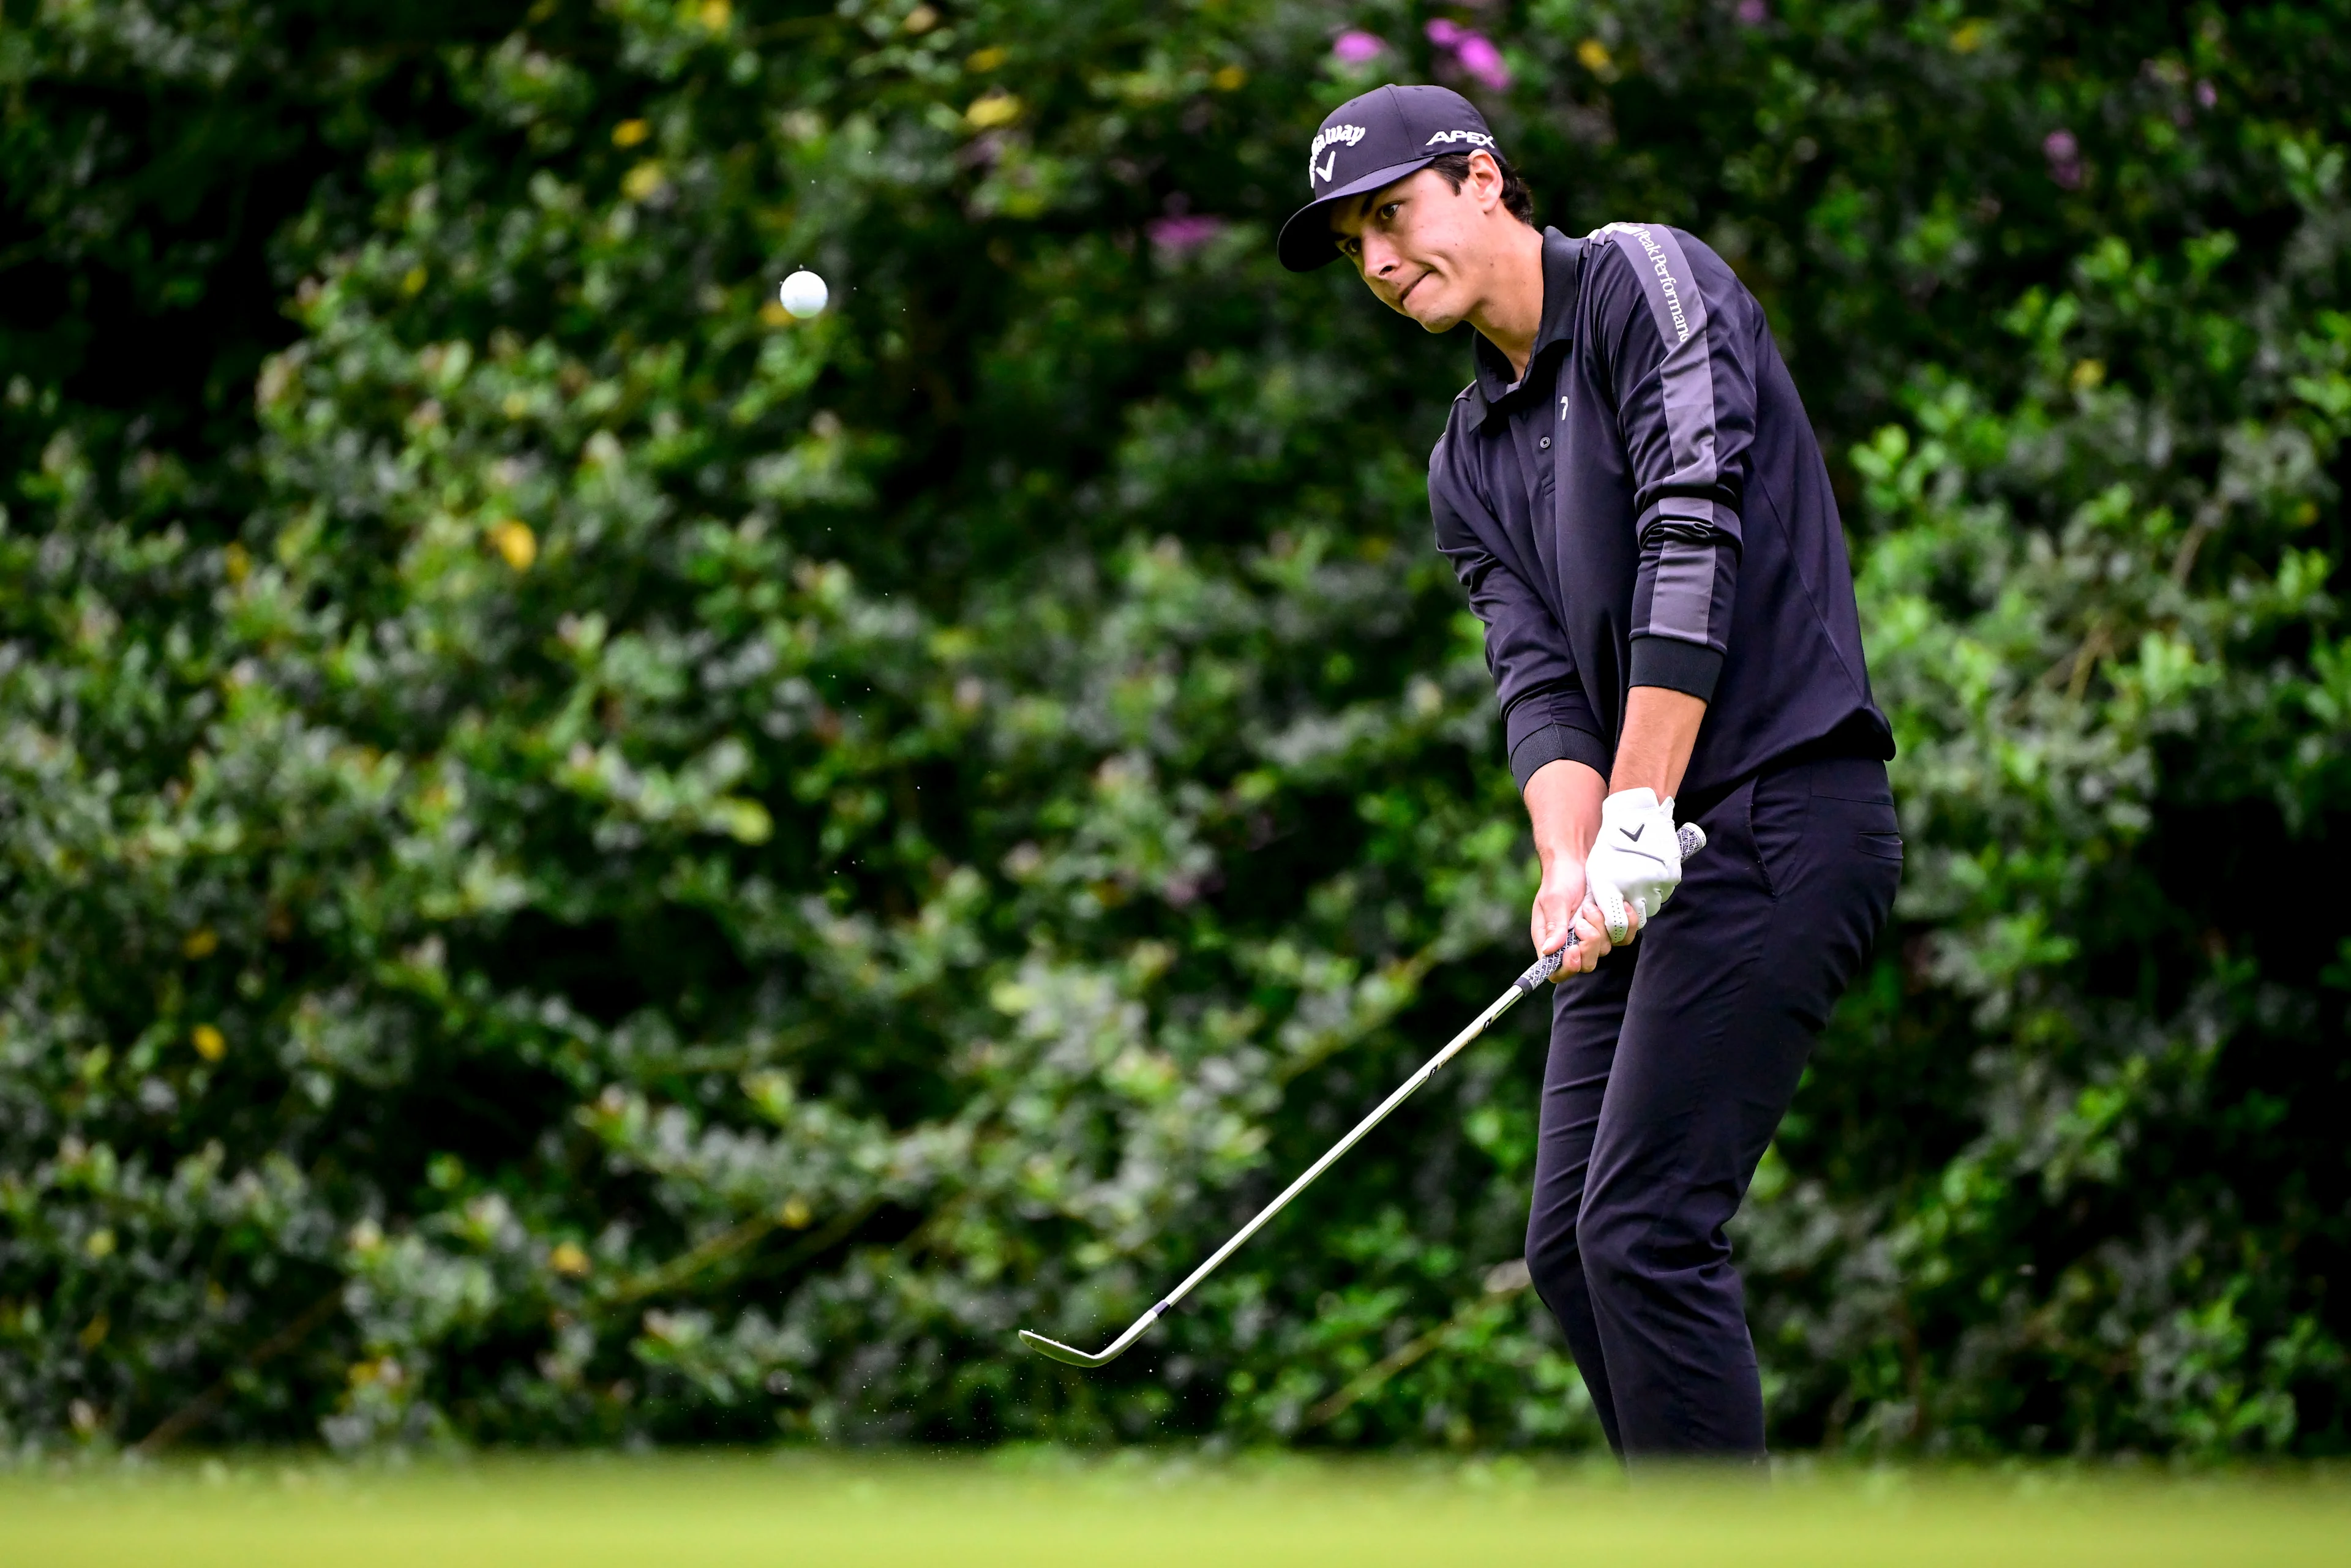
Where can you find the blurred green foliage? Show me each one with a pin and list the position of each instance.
(581, 862)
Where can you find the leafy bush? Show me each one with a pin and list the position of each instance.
(587, 862)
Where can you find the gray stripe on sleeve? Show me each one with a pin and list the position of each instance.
(1686, 377)
(1682, 605)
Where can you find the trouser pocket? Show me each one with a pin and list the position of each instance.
(1829, 848)
(1778, 813)
(1854, 832)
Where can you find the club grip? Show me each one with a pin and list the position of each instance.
(1692, 838)
(1541, 970)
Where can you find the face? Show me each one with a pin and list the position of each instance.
(1420, 244)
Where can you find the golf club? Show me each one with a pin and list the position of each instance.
(1693, 839)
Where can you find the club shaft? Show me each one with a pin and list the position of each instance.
(1478, 1026)
(1692, 839)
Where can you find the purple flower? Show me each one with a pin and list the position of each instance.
(2065, 156)
(1754, 13)
(2206, 94)
(1482, 60)
(1353, 48)
(1183, 234)
(1471, 50)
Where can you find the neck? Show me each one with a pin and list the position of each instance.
(1509, 312)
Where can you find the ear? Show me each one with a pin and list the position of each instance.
(1485, 180)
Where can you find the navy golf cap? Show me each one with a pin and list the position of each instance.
(1371, 142)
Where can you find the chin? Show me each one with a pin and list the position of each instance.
(1427, 305)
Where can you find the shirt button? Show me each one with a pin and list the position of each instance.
(1545, 444)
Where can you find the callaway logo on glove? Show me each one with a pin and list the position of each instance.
(1636, 862)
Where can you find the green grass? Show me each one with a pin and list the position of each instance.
(1037, 1512)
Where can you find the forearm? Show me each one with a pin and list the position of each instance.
(1563, 809)
(1661, 729)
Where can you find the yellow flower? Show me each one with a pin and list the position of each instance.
(921, 20)
(568, 1259)
(1228, 79)
(236, 562)
(747, 820)
(641, 183)
(383, 1370)
(100, 1243)
(713, 15)
(629, 132)
(775, 315)
(2088, 374)
(985, 59)
(210, 1043)
(1594, 56)
(992, 110)
(1968, 38)
(413, 282)
(202, 943)
(795, 1213)
(514, 541)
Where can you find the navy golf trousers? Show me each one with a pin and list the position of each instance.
(1670, 1067)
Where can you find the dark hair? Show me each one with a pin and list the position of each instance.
(1454, 167)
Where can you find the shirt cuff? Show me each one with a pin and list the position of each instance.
(1668, 662)
(1556, 743)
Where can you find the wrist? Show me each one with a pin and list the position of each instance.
(1563, 864)
(1631, 805)
(1564, 871)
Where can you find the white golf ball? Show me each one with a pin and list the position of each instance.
(804, 294)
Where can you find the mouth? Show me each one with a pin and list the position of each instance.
(1405, 293)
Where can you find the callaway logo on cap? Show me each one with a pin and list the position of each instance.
(1371, 142)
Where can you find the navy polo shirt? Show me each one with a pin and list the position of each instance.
(1647, 506)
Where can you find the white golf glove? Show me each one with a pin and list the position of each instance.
(1636, 862)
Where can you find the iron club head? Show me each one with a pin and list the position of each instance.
(1062, 1353)
(1116, 1347)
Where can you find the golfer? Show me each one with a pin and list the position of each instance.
(1631, 494)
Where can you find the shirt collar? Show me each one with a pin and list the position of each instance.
(1560, 264)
